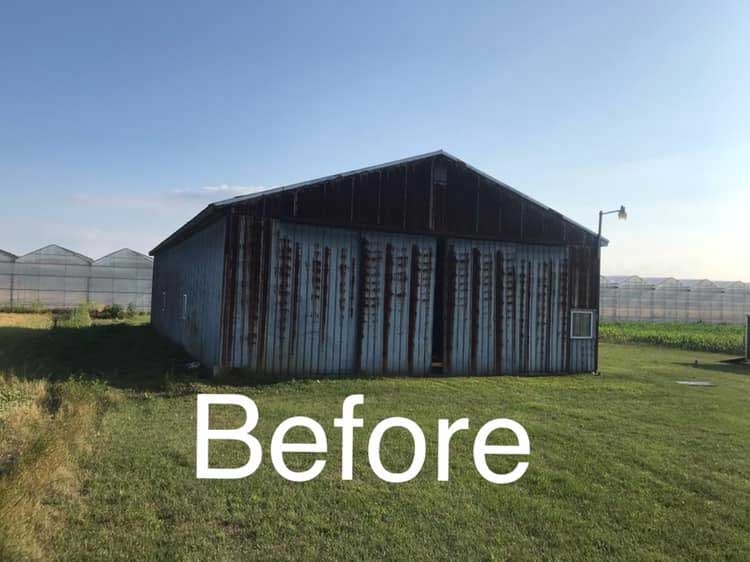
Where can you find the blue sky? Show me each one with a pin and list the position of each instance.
(119, 121)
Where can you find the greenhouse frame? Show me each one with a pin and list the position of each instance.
(666, 299)
(57, 278)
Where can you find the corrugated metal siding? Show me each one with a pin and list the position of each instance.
(397, 308)
(315, 301)
(312, 322)
(194, 268)
(506, 308)
(245, 286)
(298, 306)
(582, 280)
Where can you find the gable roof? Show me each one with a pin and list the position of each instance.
(53, 250)
(214, 207)
(125, 254)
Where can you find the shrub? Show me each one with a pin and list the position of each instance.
(114, 311)
(130, 311)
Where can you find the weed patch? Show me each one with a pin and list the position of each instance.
(44, 427)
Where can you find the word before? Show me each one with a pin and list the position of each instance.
(348, 423)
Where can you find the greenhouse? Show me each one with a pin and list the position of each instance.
(666, 299)
(55, 277)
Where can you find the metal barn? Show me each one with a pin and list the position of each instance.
(421, 265)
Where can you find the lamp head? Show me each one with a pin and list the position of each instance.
(622, 214)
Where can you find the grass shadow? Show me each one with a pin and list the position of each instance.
(125, 355)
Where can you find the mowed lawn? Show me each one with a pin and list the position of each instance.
(624, 466)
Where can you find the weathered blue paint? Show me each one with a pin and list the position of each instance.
(398, 291)
(295, 300)
(187, 297)
(509, 310)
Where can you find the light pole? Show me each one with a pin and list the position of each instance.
(621, 215)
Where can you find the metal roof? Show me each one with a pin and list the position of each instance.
(273, 190)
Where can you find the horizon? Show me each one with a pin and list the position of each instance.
(121, 123)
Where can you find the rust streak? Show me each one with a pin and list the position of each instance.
(295, 298)
(476, 273)
(414, 283)
(450, 306)
(387, 302)
(324, 294)
(499, 320)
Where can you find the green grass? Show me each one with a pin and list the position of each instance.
(719, 338)
(625, 466)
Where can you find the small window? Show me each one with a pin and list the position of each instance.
(184, 306)
(582, 324)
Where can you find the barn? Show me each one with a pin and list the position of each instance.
(417, 266)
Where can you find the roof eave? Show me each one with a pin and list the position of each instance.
(185, 228)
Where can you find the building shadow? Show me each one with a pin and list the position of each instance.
(728, 368)
(125, 356)
(132, 357)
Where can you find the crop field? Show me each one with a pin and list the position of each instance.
(698, 336)
(628, 465)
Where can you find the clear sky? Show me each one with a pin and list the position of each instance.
(119, 121)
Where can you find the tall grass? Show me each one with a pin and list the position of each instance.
(79, 317)
(43, 426)
(698, 336)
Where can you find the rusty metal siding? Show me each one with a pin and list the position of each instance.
(398, 285)
(508, 309)
(312, 301)
(471, 293)
(245, 284)
(194, 268)
(317, 301)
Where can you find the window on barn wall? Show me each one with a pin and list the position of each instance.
(582, 324)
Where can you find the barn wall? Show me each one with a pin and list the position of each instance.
(397, 291)
(306, 301)
(508, 308)
(187, 292)
(311, 322)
